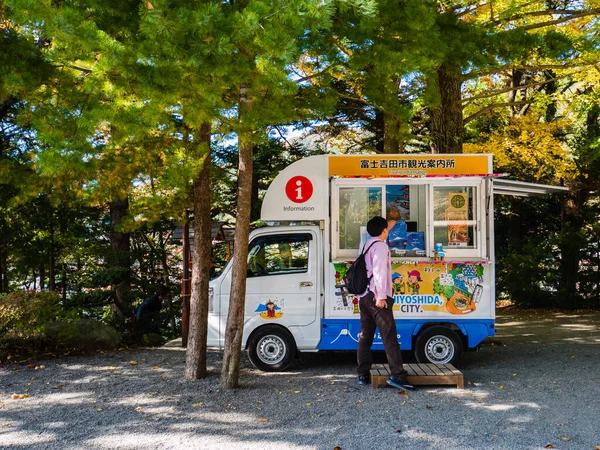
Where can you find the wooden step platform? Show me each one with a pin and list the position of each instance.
(421, 374)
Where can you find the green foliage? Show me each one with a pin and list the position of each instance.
(529, 276)
(23, 314)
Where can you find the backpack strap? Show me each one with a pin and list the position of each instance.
(369, 248)
(365, 254)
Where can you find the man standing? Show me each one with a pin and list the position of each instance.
(374, 311)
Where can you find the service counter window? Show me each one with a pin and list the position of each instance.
(402, 201)
(356, 206)
(406, 205)
(456, 218)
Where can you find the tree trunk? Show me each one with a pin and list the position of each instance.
(237, 300)
(120, 245)
(52, 262)
(165, 276)
(447, 127)
(391, 132)
(42, 277)
(195, 362)
(550, 89)
(255, 200)
(186, 286)
(4, 267)
(64, 282)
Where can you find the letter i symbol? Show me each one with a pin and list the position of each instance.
(299, 189)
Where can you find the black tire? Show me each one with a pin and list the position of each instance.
(271, 348)
(438, 345)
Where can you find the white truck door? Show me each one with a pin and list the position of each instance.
(282, 278)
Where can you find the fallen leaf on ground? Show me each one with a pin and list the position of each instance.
(402, 392)
(195, 405)
(19, 397)
(133, 363)
(428, 407)
(155, 367)
(138, 409)
(549, 446)
(30, 366)
(112, 368)
(262, 419)
(163, 378)
(58, 388)
(337, 448)
(297, 392)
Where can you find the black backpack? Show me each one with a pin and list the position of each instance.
(357, 281)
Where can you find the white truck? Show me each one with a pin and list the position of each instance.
(442, 251)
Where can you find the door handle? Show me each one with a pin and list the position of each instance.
(306, 284)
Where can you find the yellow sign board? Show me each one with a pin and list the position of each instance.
(375, 166)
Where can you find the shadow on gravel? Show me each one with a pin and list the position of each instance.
(518, 395)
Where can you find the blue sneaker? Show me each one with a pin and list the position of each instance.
(399, 384)
(363, 380)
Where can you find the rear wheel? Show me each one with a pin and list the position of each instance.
(438, 345)
(271, 349)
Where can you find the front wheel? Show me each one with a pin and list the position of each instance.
(271, 349)
(438, 345)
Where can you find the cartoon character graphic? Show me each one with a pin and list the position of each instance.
(414, 277)
(270, 310)
(355, 306)
(398, 284)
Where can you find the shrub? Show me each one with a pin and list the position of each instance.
(35, 321)
(24, 314)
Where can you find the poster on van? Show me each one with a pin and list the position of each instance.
(452, 288)
(439, 288)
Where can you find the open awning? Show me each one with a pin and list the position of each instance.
(524, 189)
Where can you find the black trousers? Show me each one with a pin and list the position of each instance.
(371, 317)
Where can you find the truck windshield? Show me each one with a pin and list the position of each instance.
(276, 255)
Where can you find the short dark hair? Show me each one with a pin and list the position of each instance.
(376, 225)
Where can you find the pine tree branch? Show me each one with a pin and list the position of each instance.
(316, 74)
(282, 136)
(356, 99)
(468, 8)
(534, 26)
(510, 89)
(468, 119)
(80, 69)
(573, 13)
(477, 74)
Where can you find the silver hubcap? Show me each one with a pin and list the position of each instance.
(439, 349)
(271, 349)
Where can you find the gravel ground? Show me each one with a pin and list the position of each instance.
(533, 386)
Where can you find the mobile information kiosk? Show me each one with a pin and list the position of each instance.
(442, 249)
